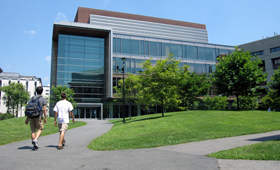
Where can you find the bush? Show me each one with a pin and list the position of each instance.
(216, 103)
(7, 115)
(246, 103)
(271, 100)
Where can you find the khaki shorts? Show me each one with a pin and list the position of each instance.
(62, 127)
(36, 123)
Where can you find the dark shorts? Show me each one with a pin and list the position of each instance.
(36, 123)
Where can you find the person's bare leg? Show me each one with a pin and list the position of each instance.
(61, 138)
(32, 135)
(38, 134)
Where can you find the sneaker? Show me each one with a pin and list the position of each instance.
(35, 144)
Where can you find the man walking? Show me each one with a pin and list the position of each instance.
(37, 122)
(62, 110)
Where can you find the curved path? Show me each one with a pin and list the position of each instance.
(76, 155)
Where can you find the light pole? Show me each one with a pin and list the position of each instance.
(123, 59)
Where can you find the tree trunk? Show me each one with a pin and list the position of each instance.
(237, 102)
(130, 110)
(162, 109)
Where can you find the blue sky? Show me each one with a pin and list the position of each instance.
(26, 25)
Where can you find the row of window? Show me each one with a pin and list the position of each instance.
(80, 41)
(134, 66)
(150, 48)
(257, 53)
(89, 77)
(273, 50)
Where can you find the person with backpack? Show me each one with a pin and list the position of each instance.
(36, 113)
(62, 110)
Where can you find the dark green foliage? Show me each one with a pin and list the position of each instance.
(191, 87)
(272, 99)
(4, 116)
(238, 74)
(216, 103)
(246, 103)
(56, 94)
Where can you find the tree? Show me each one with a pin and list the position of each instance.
(131, 85)
(238, 74)
(192, 86)
(15, 97)
(161, 83)
(272, 99)
(56, 95)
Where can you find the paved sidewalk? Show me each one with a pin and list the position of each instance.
(76, 155)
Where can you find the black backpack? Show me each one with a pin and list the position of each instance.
(33, 108)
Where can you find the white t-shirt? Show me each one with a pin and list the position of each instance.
(63, 107)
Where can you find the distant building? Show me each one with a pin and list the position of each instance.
(30, 83)
(87, 54)
(46, 94)
(268, 50)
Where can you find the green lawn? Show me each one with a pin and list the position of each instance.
(181, 127)
(13, 130)
(261, 151)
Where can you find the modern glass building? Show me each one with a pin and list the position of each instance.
(86, 54)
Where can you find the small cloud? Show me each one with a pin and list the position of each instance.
(32, 32)
(8, 66)
(38, 25)
(106, 2)
(61, 17)
(46, 78)
(48, 58)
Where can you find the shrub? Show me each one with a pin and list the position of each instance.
(271, 100)
(216, 103)
(7, 115)
(246, 103)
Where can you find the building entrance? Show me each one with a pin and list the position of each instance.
(93, 112)
(89, 111)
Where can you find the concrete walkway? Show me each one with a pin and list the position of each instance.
(76, 155)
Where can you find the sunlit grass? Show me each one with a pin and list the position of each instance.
(181, 127)
(261, 151)
(13, 130)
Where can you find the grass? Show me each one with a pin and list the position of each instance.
(181, 127)
(261, 151)
(13, 130)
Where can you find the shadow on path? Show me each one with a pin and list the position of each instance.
(267, 138)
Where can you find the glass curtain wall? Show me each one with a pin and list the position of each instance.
(158, 49)
(81, 66)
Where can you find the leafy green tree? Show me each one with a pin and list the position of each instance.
(131, 85)
(192, 86)
(272, 99)
(56, 95)
(161, 83)
(15, 97)
(275, 81)
(238, 74)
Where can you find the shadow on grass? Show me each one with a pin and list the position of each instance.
(137, 120)
(267, 138)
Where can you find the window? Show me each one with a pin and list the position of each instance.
(257, 53)
(153, 48)
(276, 49)
(276, 63)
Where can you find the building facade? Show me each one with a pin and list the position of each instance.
(86, 54)
(29, 82)
(268, 50)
